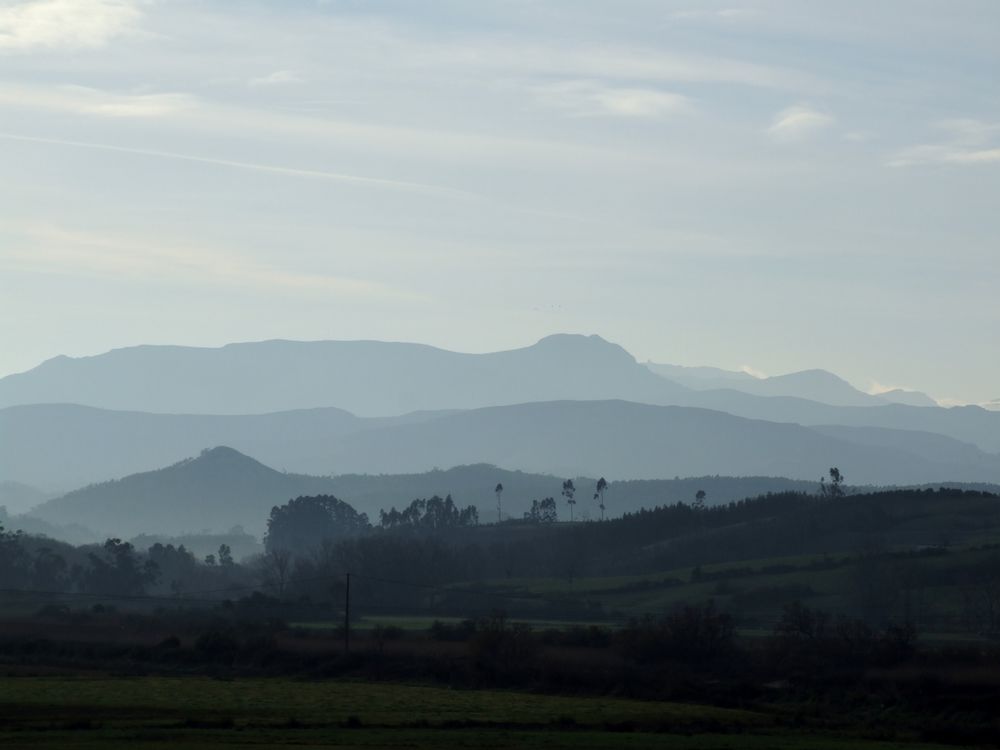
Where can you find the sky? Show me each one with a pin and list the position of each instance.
(772, 185)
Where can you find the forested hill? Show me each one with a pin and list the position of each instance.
(223, 488)
(217, 490)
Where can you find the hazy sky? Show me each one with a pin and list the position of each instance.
(774, 184)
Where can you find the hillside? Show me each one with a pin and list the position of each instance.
(637, 441)
(64, 446)
(970, 424)
(221, 488)
(17, 497)
(217, 490)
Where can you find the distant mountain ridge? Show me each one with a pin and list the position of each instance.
(629, 440)
(622, 440)
(66, 446)
(814, 385)
(196, 392)
(17, 497)
(367, 378)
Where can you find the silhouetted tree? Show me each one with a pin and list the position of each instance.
(568, 490)
(303, 523)
(431, 514)
(499, 491)
(225, 555)
(602, 487)
(274, 568)
(699, 500)
(542, 511)
(49, 570)
(14, 560)
(118, 570)
(835, 487)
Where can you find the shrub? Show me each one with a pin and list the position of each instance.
(692, 634)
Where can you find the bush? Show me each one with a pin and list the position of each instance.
(500, 648)
(697, 634)
(442, 631)
(218, 645)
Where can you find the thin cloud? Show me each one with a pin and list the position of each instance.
(875, 388)
(277, 78)
(968, 142)
(633, 63)
(718, 14)
(753, 371)
(64, 24)
(798, 123)
(452, 145)
(588, 99)
(84, 100)
(268, 168)
(59, 251)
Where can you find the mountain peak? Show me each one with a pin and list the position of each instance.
(222, 453)
(581, 343)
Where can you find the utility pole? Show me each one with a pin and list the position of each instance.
(347, 616)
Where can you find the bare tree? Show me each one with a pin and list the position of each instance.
(602, 487)
(274, 569)
(568, 490)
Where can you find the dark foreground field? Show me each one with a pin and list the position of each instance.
(780, 622)
(164, 712)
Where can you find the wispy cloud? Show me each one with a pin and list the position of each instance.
(206, 115)
(84, 100)
(798, 123)
(714, 14)
(64, 24)
(49, 249)
(875, 388)
(967, 142)
(589, 99)
(749, 370)
(253, 166)
(277, 78)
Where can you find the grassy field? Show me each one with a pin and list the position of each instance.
(757, 589)
(153, 712)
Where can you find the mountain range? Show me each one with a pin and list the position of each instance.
(568, 405)
(367, 378)
(813, 385)
(620, 439)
